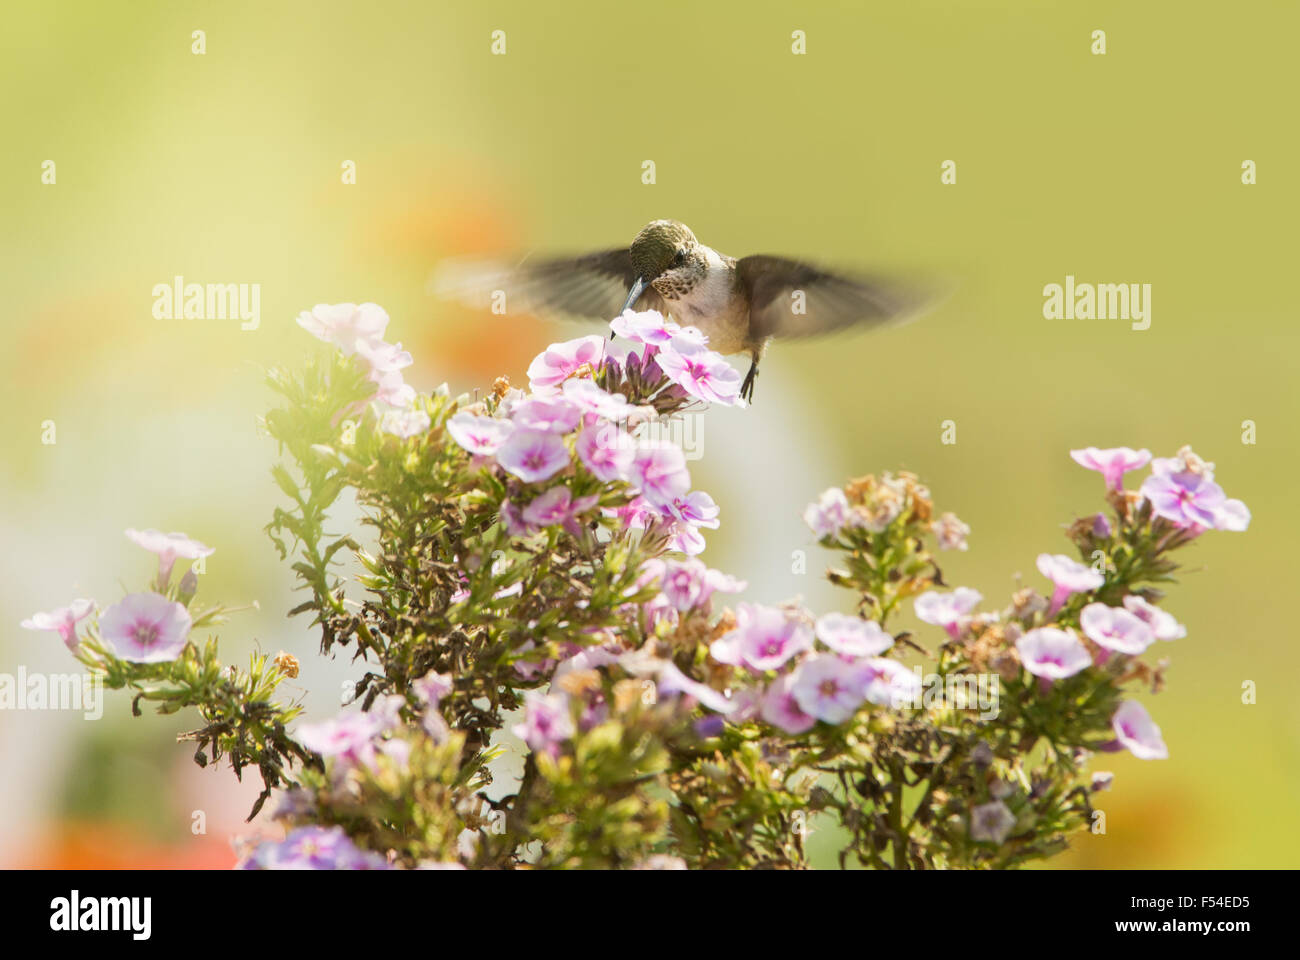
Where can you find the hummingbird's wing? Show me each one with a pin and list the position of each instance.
(592, 286)
(788, 298)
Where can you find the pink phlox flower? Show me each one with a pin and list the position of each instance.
(592, 399)
(947, 610)
(1162, 623)
(1135, 730)
(559, 361)
(432, 687)
(533, 456)
(889, 683)
(659, 470)
(405, 423)
(556, 507)
(547, 722)
(648, 327)
(168, 546)
(348, 738)
(345, 324)
(852, 636)
(780, 708)
(1116, 629)
(1068, 577)
(481, 436)
(605, 450)
(696, 508)
(764, 638)
(1192, 501)
(671, 682)
(146, 628)
(699, 371)
(1052, 653)
(64, 621)
(828, 688)
(547, 414)
(1112, 463)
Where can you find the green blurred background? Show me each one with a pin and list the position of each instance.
(226, 168)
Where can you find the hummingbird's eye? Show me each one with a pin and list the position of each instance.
(681, 257)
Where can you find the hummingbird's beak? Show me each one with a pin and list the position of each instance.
(633, 295)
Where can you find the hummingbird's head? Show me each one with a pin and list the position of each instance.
(665, 255)
(661, 246)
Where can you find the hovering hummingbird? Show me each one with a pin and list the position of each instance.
(739, 304)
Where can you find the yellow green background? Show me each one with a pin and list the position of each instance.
(225, 168)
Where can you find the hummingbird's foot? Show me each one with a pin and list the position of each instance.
(747, 388)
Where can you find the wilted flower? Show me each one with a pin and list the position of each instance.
(1112, 463)
(146, 628)
(1185, 461)
(1136, 730)
(991, 822)
(830, 514)
(1053, 653)
(950, 532)
(1161, 622)
(345, 324)
(1116, 629)
(168, 546)
(547, 721)
(1068, 577)
(947, 610)
(63, 620)
(852, 636)
(286, 663)
(560, 361)
(533, 456)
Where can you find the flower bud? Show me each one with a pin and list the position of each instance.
(188, 587)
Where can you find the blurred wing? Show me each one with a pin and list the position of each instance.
(793, 299)
(592, 286)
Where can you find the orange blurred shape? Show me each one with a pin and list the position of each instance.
(1147, 831)
(81, 845)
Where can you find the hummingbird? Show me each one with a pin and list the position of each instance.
(740, 304)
